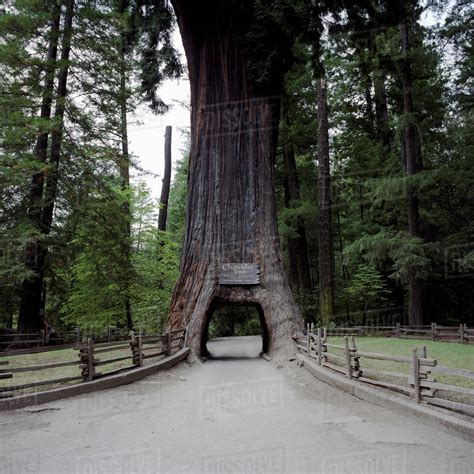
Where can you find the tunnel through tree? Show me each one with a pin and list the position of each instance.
(230, 320)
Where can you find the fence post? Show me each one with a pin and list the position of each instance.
(308, 339)
(325, 334)
(134, 347)
(140, 348)
(397, 330)
(43, 337)
(348, 357)
(78, 335)
(86, 354)
(91, 362)
(424, 352)
(356, 359)
(461, 333)
(432, 331)
(320, 347)
(168, 343)
(416, 376)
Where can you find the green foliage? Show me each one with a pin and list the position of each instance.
(177, 201)
(234, 321)
(89, 272)
(96, 295)
(367, 286)
(369, 184)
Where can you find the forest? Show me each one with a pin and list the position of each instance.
(373, 167)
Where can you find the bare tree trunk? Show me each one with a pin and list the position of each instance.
(326, 255)
(381, 110)
(368, 97)
(293, 276)
(413, 166)
(41, 147)
(124, 167)
(165, 189)
(231, 208)
(57, 134)
(298, 246)
(30, 311)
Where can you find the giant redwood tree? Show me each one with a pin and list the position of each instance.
(236, 70)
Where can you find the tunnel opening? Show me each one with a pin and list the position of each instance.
(227, 322)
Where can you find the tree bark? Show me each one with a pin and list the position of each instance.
(41, 147)
(165, 189)
(413, 160)
(30, 311)
(326, 254)
(231, 208)
(381, 110)
(124, 167)
(57, 133)
(300, 273)
(291, 244)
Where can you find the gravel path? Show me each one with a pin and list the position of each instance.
(235, 413)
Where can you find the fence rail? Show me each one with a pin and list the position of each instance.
(416, 383)
(16, 343)
(133, 349)
(460, 333)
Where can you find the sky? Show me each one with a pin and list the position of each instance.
(147, 130)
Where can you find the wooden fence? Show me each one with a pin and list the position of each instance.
(418, 383)
(16, 343)
(434, 332)
(135, 349)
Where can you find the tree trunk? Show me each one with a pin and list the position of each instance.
(326, 256)
(298, 247)
(41, 147)
(165, 189)
(413, 166)
(231, 208)
(293, 276)
(381, 110)
(124, 167)
(57, 134)
(30, 311)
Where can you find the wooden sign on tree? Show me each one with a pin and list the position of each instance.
(239, 274)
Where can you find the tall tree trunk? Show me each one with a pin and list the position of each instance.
(124, 167)
(57, 134)
(41, 147)
(381, 110)
(231, 208)
(165, 189)
(30, 311)
(369, 103)
(298, 246)
(413, 166)
(326, 255)
(293, 277)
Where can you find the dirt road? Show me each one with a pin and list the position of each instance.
(236, 413)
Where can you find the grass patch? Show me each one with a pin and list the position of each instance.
(460, 356)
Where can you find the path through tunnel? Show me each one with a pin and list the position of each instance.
(234, 331)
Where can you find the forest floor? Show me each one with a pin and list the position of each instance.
(233, 413)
